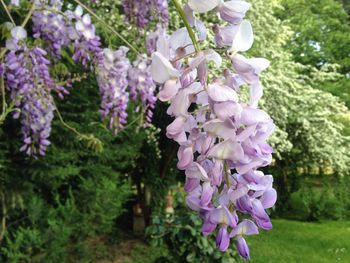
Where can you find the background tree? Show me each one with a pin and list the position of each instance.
(321, 38)
(309, 131)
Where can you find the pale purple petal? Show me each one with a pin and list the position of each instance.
(169, 90)
(242, 248)
(227, 109)
(161, 68)
(221, 93)
(246, 227)
(203, 6)
(222, 239)
(196, 171)
(268, 199)
(233, 11)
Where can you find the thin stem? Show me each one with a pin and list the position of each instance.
(66, 124)
(182, 57)
(187, 24)
(29, 15)
(26, 19)
(8, 12)
(227, 176)
(108, 26)
(131, 123)
(92, 142)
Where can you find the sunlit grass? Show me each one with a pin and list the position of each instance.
(292, 241)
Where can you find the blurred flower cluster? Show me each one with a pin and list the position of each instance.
(142, 12)
(27, 75)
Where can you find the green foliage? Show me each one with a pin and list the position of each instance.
(310, 122)
(147, 254)
(308, 132)
(314, 203)
(320, 28)
(321, 37)
(179, 232)
(55, 204)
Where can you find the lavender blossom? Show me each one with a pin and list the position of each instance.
(87, 46)
(52, 27)
(142, 86)
(112, 73)
(223, 140)
(141, 12)
(30, 84)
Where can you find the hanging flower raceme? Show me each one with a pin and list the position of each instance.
(59, 29)
(27, 76)
(112, 73)
(142, 86)
(87, 45)
(223, 140)
(52, 27)
(28, 79)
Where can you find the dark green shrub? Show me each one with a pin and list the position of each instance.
(181, 233)
(328, 202)
(58, 205)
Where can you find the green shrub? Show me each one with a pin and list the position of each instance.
(181, 233)
(57, 204)
(329, 202)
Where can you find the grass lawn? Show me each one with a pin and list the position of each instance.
(288, 242)
(292, 241)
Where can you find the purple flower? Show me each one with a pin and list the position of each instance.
(141, 12)
(233, 11)
(28, 79)
(217, 132)
(242, 248)
(222, 239)
(51, 27)
(142, 86)
(112, 73)
(2, 70)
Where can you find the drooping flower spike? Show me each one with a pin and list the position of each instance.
(223, 140)
(27, 75)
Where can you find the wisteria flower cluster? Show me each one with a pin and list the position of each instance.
(223, 139)
(27, 75)
(28, 79)
(112, 79)
(52, 27)
(142, 85)
(141, 12)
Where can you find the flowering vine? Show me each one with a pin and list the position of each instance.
(222, 139)
(26, 73)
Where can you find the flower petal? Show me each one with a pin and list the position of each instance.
(242, 248)
(203, 6)
(246, 227)
(221, 93)
(169, 90)
(161, 69)
(222, 239)
(18, 33)
(227, 150)
(268, 199)
(244, 37)
(197, 171)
